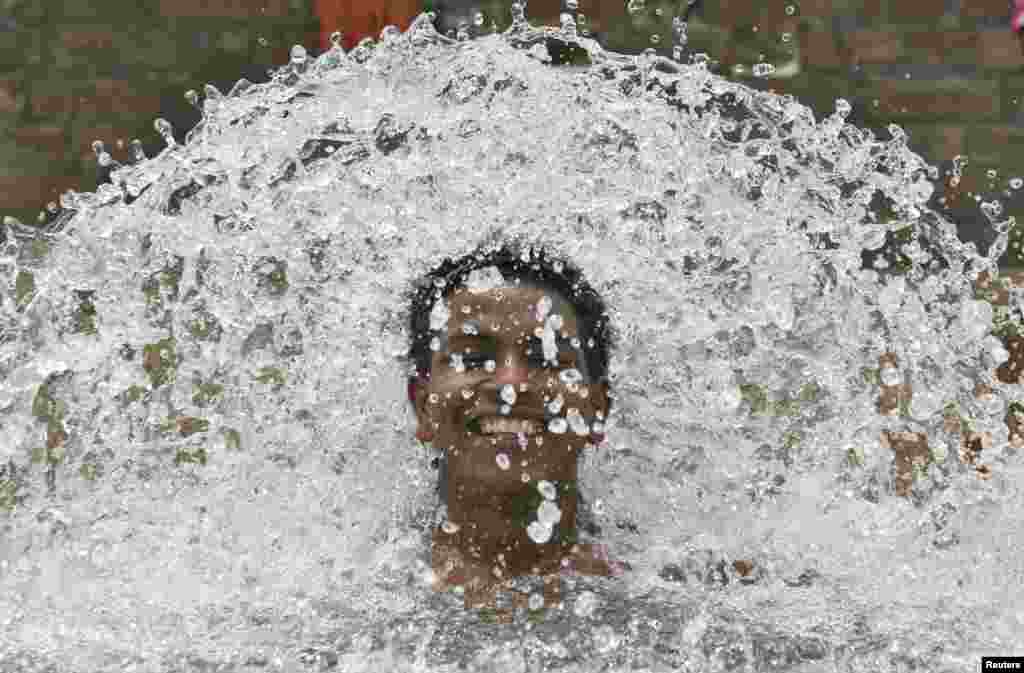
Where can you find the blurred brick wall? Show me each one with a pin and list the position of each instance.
(950, 72)
(71, 72)
(76, 71)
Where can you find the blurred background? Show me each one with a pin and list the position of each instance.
(950, 72)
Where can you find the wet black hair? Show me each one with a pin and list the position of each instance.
(529, 263)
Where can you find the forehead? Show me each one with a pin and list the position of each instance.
(498, 304)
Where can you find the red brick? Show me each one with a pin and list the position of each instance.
(547, 9)
(819, 49)
(954, 105)
(280, 56)
(941, 40)
(772, 18)
(874, 11)
(950, 141)
(8, 95)
(999, 49)
(50, 105)
(52, 139)
(734, 13)
(104, 104)
(87, 39)
(312, 41)
(34, 191)
(114, 88)
(768, 17)
(979, 9)
(935, 46)
(234, 9)
(815, 8)
(1007, 135)
(917, 10)
(871, 46)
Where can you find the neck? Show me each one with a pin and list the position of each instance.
(490, 524)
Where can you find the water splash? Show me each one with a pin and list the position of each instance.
(203, 444)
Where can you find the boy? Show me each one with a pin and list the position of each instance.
(511, 385)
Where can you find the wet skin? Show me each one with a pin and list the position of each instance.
(490, 545)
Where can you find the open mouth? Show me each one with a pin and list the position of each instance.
(494, 425)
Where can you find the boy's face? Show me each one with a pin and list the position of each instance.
(491, 367)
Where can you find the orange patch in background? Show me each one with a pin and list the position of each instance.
(356, 19)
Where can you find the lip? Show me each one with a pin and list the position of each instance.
(503, 440)
(539, 424)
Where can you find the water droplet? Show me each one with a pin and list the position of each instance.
(548, 514)
(536, 601)
(538, 532)
(659, 11)
(503, 461)
(576, 422)
(570, 376)
(166, 131)
(891, 376)
(478, 19)
(439, 317)
(558, 426)
(586, 604)
(1017, 183)
(991, 173)
(655, 38)
(786, 37)
(790, 10)
(508, 393)
(525, 478)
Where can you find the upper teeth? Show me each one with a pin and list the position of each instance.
(493, 424)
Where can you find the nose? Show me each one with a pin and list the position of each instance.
(514, 375)
(511, 367)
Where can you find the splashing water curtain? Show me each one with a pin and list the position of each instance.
(204, 453)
